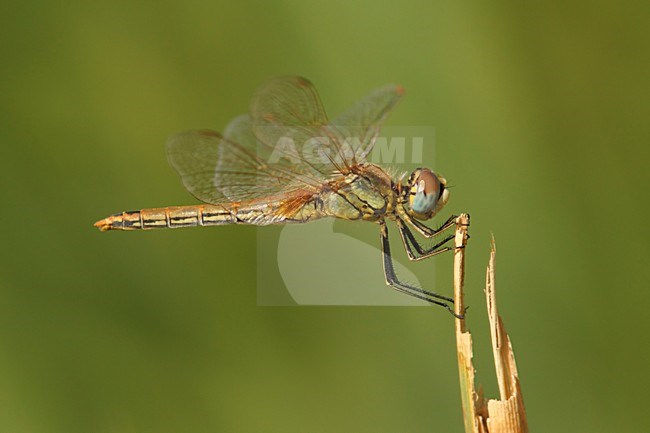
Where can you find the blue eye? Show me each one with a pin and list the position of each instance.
(422, 202)
(426, 189)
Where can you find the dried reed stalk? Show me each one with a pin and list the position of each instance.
(507, 414)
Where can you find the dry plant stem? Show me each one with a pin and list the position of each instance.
(463, 338)
(506, 415)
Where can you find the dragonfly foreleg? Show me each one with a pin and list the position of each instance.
(416, 292)
(426, 231)
(422, 253)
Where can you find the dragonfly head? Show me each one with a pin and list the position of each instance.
(426, 194)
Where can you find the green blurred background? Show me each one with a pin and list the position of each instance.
(541, 116)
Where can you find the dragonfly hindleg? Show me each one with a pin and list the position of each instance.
(416, 292)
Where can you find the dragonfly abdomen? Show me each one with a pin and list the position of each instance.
(168, 217)
(199, 215)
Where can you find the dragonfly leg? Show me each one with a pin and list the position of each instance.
(426, 231)
(416, 292)
(422, 253)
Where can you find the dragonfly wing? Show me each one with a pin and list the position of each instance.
(285, 147)
(280, 167)
(361, 123)
(286, 112)
(216, 169)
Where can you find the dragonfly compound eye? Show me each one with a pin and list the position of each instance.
(425, 192)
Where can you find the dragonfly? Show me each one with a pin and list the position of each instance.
(285, 162)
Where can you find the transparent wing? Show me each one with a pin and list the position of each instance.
(361, 123)
(285, 146)
(217, 169)
(287, 112)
